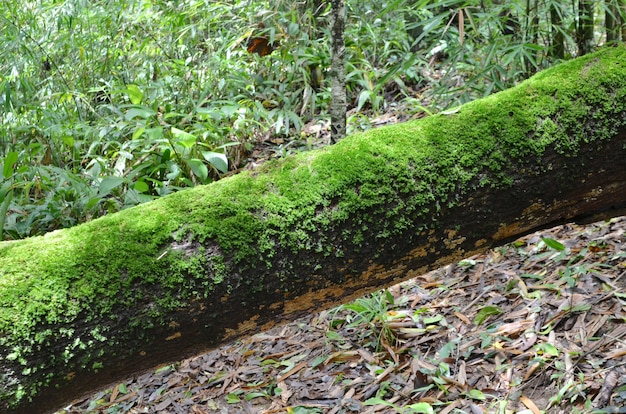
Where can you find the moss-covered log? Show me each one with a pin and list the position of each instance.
(83, 307)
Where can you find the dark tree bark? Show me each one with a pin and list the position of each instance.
(337, 73)
(84, 307)
(612, 21)
(584, 32)
(557, 48)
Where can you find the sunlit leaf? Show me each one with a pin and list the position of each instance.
(134, 94)
(183, 138)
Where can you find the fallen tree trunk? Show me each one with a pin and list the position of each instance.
(83, 307)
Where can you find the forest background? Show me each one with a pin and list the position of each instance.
(108, 104)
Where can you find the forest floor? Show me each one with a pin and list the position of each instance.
(534, 326)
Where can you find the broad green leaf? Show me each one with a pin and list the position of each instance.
(134, 94)
(447, 350)
(219, 161)
(68, 140)
(184, 138)
(141, 186)
(109, 183)
(92, 202)
(139, 112)
(138, 132)
(546, 349)
(174, 170)
(9, 163)
(199, 169)
(553, 244)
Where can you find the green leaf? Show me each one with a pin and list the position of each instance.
(138, 132)
(546, 349)
(134, 94)
(389, 297)
(199, 169)
(3, 211)
(485, 312)
(363, 97)
(419, 408)
(219, 161)
(477, 395)
(141, 186)
(164, 369)
(9, 163)
(139, 112)
(380, 401)
(333, 336)
(184, 138)
(68, 140)
(232, 398)
(254, 395)
(108, 184)
(553, 244)
(447, 350)
(432, 320)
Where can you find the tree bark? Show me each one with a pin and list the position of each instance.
(83, 307)
(612, 21)
(584, 31)
(337, 73)
(557, 38)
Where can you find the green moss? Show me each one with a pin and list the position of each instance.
(387, 182)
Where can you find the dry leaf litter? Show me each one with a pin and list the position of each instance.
(525, 328)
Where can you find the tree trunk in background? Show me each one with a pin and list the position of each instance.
(584, 32)
(558, 39)
(612, 21)
(84, 307)
(621, 8)
(337, 71)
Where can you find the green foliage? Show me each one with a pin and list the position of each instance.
(104, 105)
(372, 315)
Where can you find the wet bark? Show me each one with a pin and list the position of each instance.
(372, 216)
